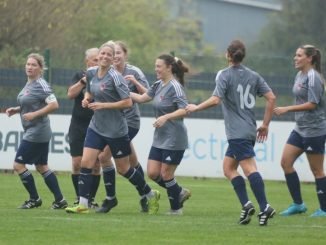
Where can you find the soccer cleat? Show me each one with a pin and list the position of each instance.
(175, 212)
(107, 205)
(79, 209)
(144, 205)
(31, 203)
(93, 205)
(76, 202)
(319, 213)
(59, 205)
(247, 211)
(153, 204)
(184, 195)
(268, 213)
(294, 209)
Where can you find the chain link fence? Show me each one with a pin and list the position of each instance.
(198, 87)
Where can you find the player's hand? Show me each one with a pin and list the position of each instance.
(130, 78)
(83, 81)
(160, 121)
(29, 116)
(191, 108)
(280, 110)
(85, 102)
(96, 106)
(262, 133)
(11, 111)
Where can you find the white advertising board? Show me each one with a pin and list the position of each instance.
(207, 145)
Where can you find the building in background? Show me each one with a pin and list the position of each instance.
(225, 20)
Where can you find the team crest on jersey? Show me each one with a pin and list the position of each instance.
(102, 86)
(161, 97)
(26, 92)
(300, 85)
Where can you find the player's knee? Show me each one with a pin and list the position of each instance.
(152, 175)
(318, 173)
(286, 165)
(18, 167)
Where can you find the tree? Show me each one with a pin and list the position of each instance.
(70, 27)
(32, 25)
(146, 26)
(300, 22)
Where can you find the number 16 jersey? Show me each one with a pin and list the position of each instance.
(238, 86)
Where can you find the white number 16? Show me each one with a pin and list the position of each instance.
(246, 99)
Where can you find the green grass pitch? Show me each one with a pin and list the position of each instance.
(210, 217)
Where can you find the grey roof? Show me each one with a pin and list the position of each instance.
(266, 4)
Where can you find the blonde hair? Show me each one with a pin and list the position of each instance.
(40, 60)
(90, 52)
(109, 44)
(123, 46)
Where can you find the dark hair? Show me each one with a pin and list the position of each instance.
(236, 51)
(178, 67)
(314, 53)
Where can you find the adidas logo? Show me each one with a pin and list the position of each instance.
(20, 158)
(309, 148)
(168, 158)
(319, 192)
(80, 182)
(119, 153)
(108, 184)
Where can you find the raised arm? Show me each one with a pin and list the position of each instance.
(75, 89)
(140, 87)
(210, 102)
(308, 106)
(140, 98)
(122, 104)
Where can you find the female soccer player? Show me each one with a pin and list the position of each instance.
(137, 83)
(170, 136)
(36, 101)
(309, 133)
(236, 88)
(108, 96)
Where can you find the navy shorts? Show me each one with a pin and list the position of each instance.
(315, 145)
(172, 157)
(240, 149)
(77, 134)
(132, 132)
(120, 147)
(32, 153)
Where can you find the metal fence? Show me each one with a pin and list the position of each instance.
(198, 87)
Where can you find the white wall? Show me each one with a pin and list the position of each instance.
(207, 145)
